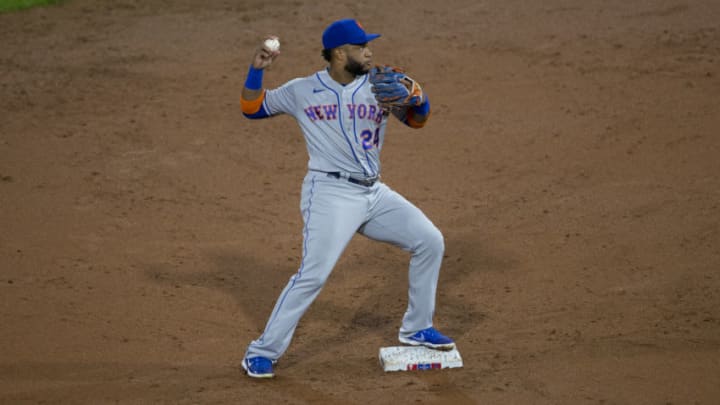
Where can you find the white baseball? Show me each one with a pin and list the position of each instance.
(272, 44)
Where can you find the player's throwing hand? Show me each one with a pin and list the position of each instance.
(264, 56)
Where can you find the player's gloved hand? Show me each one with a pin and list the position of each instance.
(393, 88)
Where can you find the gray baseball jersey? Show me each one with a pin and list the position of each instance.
(343, 126)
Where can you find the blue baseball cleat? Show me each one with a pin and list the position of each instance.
(429, 337)
(258, 367)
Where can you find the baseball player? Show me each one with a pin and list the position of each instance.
(342, 111)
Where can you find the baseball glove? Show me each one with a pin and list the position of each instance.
(393, 88)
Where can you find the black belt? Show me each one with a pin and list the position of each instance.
(362, 182)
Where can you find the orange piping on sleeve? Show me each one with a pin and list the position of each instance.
(252, 106)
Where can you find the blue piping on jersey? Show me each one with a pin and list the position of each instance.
(342, 127)
(298, 275)
(367, 159)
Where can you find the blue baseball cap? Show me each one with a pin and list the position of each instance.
(347, 31)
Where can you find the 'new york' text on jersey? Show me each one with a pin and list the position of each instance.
(344, 127)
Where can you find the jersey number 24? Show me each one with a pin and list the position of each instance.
(370, 139)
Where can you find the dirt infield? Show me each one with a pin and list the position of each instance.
(571, 162)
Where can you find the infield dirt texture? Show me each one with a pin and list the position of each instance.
(572, 162)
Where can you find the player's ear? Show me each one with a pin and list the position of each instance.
(340, 53)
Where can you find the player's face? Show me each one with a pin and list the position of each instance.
(359, 59)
